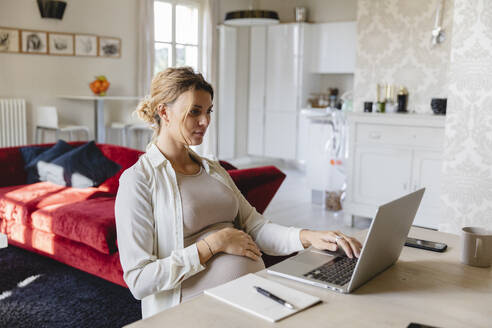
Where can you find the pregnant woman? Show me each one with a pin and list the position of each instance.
(182, 224)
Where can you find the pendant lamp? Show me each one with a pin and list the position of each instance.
(251, 17)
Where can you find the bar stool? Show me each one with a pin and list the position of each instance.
(139, 134)
(119, 128)
(47, 119)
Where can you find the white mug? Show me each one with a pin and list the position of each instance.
(476, 247)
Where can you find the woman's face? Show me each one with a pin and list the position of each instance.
(197, 120)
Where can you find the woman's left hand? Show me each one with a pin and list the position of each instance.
(331, 241)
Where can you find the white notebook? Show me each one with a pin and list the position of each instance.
(241, 294)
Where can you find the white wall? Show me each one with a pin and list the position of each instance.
(40, 78)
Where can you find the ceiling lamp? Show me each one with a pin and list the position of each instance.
(251, 17)
(52, 8)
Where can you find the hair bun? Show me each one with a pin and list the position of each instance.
(144, 110)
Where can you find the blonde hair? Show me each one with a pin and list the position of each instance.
(165, 88)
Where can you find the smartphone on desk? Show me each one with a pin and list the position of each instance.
(426, 244)
(419, 325)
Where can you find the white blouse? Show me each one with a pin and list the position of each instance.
(149, 226)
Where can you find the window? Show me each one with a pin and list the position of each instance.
(176, 42)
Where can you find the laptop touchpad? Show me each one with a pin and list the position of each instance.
(314, 258)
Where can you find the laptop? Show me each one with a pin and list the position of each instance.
(383, 245)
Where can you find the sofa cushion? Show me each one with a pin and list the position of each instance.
(28, 154)
(258, 185)
(82, 167)
(18, 202)
(60, 148)
(90, 222)
(125, 157)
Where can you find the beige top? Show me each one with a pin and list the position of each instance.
(209, 206)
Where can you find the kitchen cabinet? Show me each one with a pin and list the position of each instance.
(280, 135)
(278, 85)
(275, 80)
(283, 67)
(425, 165)
(391, 155)
(256, 96)
(334, 47)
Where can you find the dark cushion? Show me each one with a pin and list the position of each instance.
(125, 157)
(58, 149)
(82, 167)
(31, 152)
(28, 154)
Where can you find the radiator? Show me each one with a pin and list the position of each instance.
(12, 122)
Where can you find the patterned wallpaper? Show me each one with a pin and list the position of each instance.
(394, 47)
(467, 169)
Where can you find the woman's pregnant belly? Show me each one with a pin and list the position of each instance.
(220, 269)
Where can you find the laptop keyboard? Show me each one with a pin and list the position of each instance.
(338, 272)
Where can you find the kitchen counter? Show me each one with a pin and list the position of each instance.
(424, 119)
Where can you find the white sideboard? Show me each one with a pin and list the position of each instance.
(391, 155)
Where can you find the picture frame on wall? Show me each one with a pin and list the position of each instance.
(9, 40)
(109, 47)
(34, 42)
(85, 45)
(61, 44)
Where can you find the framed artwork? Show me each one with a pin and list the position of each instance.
(60, 44)
(34, 42)
(109, 47)
(85, 45)
(9, 40)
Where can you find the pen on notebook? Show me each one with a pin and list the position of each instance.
(273, 297)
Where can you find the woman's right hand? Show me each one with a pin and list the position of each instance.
(235, 242)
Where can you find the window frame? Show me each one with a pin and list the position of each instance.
(173, 43)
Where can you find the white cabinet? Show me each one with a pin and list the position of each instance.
(280, 135)
(381, 174)
(391, 155)
(276, 90)
(283, 58)
(256, 96)
(275, 78)
(334, 47)
(425, 165)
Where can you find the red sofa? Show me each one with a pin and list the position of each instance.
(77, 226)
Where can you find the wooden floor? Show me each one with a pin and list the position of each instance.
(292, 204)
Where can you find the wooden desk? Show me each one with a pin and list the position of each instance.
(425, 287)
(99, 128)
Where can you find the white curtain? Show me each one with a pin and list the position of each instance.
(145, 46)
(209, 69)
